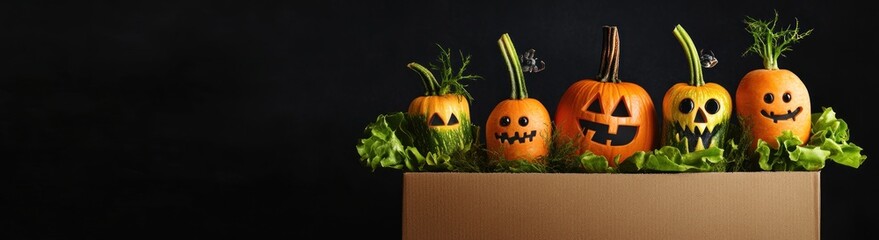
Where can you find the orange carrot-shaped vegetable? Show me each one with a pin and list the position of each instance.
(773, 100)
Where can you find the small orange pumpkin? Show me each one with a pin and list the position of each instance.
(444, 107)
(517, 128)
(610, 117)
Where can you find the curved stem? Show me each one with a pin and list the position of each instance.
(427, 78)
(696, 78)
(517, 78)
(610, 55)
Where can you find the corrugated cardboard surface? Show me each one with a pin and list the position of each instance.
(742, 205)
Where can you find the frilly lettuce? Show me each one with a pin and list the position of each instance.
(390, 144)
(673, 158)
(830, 139)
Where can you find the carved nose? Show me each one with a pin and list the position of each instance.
(700, 117)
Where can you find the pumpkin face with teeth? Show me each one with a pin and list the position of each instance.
(519, 129)
(608, 118)
(771, 107)
(605, 115)
(696, 112)
(699, 114)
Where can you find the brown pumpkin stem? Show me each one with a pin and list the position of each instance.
(511, 58)
(610, 55)
(427, 78)
(696, 78)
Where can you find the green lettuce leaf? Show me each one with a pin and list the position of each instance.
(675, 158)
(832, 134)
(391, 144)
(596, 163)
(829, 140)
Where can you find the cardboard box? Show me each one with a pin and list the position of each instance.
(741, 205)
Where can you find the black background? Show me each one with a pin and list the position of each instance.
(239, 118)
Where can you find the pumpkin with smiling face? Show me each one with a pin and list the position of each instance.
(771, 107)
(773, 100)
(518, 128)
(607, 116)
(697, 112)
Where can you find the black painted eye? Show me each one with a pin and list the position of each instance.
(505, 121)
(768, 98)
(687, 105)
(712, 106)
(523, 121)
(786, 97)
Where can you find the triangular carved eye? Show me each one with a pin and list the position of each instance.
(453, 120)
(621, 109)
(595, 106)
(435, 120)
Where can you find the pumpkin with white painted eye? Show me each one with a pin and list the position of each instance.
(697, 112)
(517, 128)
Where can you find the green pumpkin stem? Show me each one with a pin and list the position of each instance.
(427, 78)
(511, 58)
(610, 56)
(696, 78)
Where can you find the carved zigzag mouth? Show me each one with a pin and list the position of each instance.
(505, 137)
(692, 137)
(789, 115)
(625, 134)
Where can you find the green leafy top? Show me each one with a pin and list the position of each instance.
(450, 79)
(769, 44)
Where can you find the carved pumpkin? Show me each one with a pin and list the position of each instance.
(607, 116)
(445, 110)
(517, 128)
(698, 112)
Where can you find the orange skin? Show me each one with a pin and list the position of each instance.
(574, 107)
(538, 125)
(768, 119)
(444, 106)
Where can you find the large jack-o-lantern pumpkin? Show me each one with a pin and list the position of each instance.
(697, 112)
(607, 116)
(518, 128)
